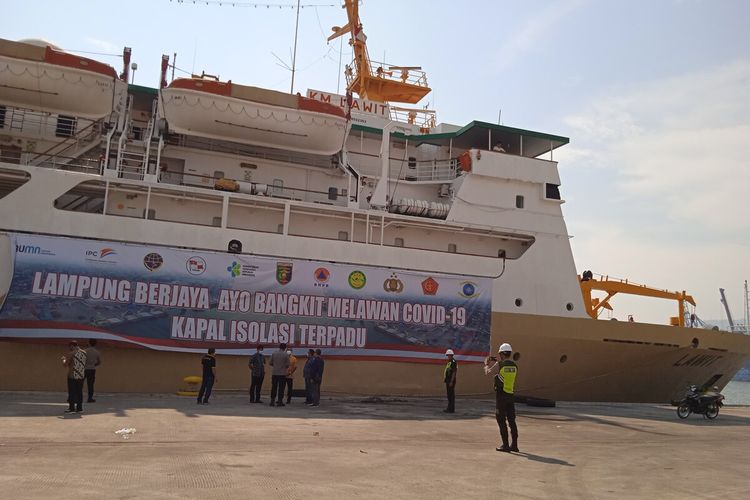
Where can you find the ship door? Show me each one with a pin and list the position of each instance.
(171, 170)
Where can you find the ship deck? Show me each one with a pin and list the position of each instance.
(350, 447)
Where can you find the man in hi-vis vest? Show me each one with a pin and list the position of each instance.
(505, 371)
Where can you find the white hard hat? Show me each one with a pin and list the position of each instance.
(449, 352)
(505, 348)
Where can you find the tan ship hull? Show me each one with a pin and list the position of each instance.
(605, 361)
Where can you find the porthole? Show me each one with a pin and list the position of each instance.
(519, 302)
(563, 358)
(569, 306)
(695, 343)
(516, 356)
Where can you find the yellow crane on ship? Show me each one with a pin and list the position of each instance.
(595, 306)
(407, 84)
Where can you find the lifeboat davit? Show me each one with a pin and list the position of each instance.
(41, 77)
(251, 115)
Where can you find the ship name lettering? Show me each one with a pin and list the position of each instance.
(697, 360)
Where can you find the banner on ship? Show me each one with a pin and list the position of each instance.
(182, 300)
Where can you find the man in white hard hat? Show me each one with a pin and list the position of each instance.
(449, 377)
(505, 371)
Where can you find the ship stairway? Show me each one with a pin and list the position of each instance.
(131, 160)
(73, 152)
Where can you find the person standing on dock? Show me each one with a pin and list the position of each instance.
(505, 371)
(75, 361)
(257, 365)
(307, 374)
(93, 359)
(290, 375)
(449, 377)
(280, 365)
(209, 376)
(316, 373)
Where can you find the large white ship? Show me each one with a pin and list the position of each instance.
(353, 224)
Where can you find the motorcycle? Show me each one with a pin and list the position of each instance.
(704, 402)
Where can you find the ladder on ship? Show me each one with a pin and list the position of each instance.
(138, 158)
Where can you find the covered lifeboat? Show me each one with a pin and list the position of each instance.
(251, 115)
(38, 76)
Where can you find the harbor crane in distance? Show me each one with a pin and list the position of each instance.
(612, 286)
(726, 309)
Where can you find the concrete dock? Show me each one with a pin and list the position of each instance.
(357, 447)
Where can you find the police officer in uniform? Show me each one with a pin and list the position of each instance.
(449, 377)
(505, 371)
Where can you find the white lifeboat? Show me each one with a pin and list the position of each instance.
(251, 115)
(44, 78)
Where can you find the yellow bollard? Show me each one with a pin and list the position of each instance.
(193, 383)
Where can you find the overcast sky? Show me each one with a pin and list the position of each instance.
(654, 96)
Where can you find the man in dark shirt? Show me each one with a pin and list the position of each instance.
(317, 377)
(209, 376)
(257, 365)
(307, 374)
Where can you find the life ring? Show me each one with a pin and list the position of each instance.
(464, 161)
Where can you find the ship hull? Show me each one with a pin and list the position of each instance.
(596, 369)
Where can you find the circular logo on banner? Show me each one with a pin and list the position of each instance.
(153, 261)
(357, 280)
(468, 290)
(196, 265)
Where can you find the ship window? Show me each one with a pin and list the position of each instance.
(452, 248)
(519, 302)
(552, 191)
(333, 193)
(151, 213)
(277, 187)
(280, 229)
(399, 242)
(10, 180)
(66, 126)
(563, 358)
(2, 116)
(216, 222)
(519, 201)
(344, 235)
(695, 343)
(218, 174)
(569, 306)
(10, 154)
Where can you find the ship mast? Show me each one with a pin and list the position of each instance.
(406, 84)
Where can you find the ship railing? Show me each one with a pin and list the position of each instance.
(252, 151)
(409, 169)
(87, 165)
(334, 197)
(43, 125)
(402, 74)
(425, 119)
(83, 139)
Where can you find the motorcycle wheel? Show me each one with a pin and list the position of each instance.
(683, 411)
(712, 412)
